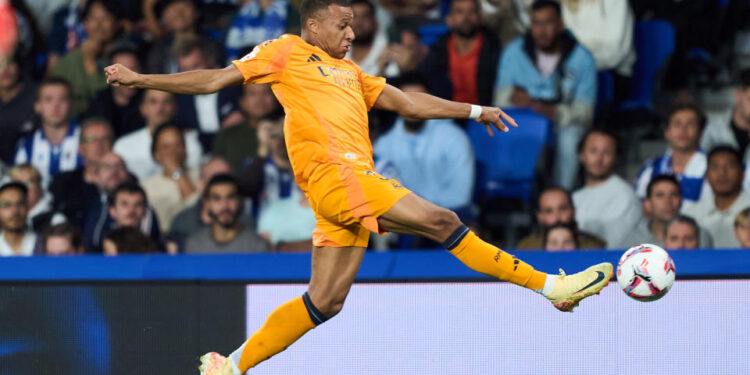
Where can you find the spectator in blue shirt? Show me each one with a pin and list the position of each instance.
(434, 157)
(549, 71)
(256, 22)
(683, 158)
(54, 147)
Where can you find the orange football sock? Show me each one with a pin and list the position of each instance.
(490, 260)
(283, 327)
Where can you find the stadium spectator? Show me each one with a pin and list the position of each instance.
(227, 234)
(67, 32)
(81, 67)
(717, 213)
(119, 104)
(462, 64)
(370, 43)
(662, 205)
(180, 19)
(605, 27)
(53, 148)
(606, 205)
(285, 216)
(681, 233)
(434, 157)
(128, 207)
(173, 189)
(210, 112)
(742, 228)
(733, 127)
(16, 107)
(560, 237)
(239, 144)
(555, 206)
(191, 219)
(40, 213)
(157, 108)
(683, 158)
(72, 191)
(256, 22)
(548, 71)
(127, 240)
(15, 238)
(111, 172)
(62, 239)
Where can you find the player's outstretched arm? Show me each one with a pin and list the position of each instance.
(425, 106)
(192, 83)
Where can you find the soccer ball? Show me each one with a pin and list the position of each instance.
(645, 272)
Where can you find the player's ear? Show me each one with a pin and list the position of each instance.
(313, 25)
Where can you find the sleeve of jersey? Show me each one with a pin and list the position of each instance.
(266, 61)
(371, 88)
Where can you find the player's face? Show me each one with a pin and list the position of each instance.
(598, 155)
(463, 18)
(560, 239)
(681, 236)
(742, 232)
(158, 107)
(53, 105)
(257, 100)
(554, 208)
(60, 245)
(96, 141)
(683, 131)
(724, 174)
(664, 203)
(13, 209)
(546, 27)
(364, 25)
(335, 33)
(129, 209)
(223, 204)
(100, 25)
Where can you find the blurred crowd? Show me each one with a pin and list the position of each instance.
(91, 168)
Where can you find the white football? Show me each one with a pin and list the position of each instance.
(645, 272)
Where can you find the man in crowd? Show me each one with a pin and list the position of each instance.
(682, 233)
(733, 127)
(227, 234)
(40, 213)
(606, 205)
(462, 65)
(683, 158)
(16, 107)
(717, 213)
(128, 207)
(371, 43)
(661, 206)
(157, 108)
(53, 148)
(555, 206)
(16, 238)
(111, 172)
(548, 71)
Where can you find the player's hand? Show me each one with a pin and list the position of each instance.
(492, 116)
(119, 75)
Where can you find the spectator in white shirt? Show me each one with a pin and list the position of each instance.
(606, 205)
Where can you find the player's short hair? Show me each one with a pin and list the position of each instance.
(130, 187)
(568, 195)
(541, 4)
(697, 111)
(742, 218)
(130, 240)
(684, 219)
(602, 131)
(161, 129)
(54, 81)
(662, 178)
(66, 230)
(412, 78)
(221, 179)
(725, 149)
(311, 8)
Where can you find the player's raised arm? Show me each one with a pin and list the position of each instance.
(193, 82)
(425, 106)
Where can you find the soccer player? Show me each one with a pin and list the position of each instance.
(326, 99)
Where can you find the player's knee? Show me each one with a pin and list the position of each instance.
(444, 220)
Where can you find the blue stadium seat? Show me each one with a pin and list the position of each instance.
(654, 42)
(429, 34)
(506, 163)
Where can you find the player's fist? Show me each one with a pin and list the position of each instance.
(492, 116)
(118, 75)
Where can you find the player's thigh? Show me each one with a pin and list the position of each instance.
(333, 272)
(416, 215)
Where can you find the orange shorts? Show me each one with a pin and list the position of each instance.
(347, 201)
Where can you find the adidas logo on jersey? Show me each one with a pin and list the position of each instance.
(313, 58)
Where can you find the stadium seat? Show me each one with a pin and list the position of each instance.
(654, 42)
